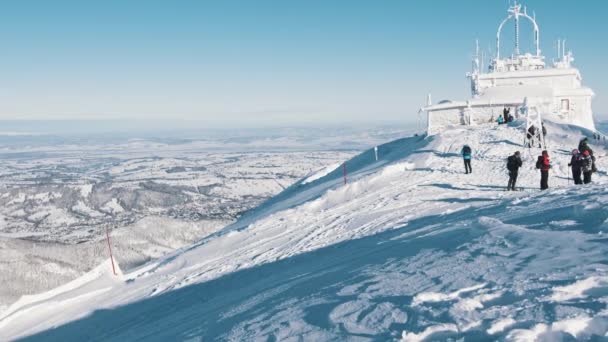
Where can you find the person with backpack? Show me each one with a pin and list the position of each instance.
(544, 164)
(587, 166)
(576, 163)
(513, 165)
(466, 156)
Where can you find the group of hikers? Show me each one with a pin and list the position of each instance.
(582, 164)
(506, 117)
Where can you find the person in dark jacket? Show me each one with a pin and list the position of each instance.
(576, 164)
(531, 135)
(531, 131)
(466, 156)
(545, 165)
(587, 166)
(513, 165)
(506, 113)
(583, 145)
(544, 130)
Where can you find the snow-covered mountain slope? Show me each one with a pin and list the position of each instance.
(55, 205)
(411, 248)
(29, 267)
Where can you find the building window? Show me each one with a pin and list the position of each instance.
(565, 105)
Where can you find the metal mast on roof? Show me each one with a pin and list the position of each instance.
(515, 13)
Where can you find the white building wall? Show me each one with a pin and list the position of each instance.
(568, 81)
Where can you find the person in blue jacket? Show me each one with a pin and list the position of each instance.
(466, 156)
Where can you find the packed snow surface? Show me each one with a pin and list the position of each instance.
(410, 249)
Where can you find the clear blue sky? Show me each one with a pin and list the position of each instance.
(260, 62)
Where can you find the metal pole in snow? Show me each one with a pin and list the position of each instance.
(110, 249)
(344, 167)
(376, 152)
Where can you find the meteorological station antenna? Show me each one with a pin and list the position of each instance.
(515, 13)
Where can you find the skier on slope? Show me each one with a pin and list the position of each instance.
(513, 165)
(576, 163)
(466, 156)
(544, 164)
(587, 166)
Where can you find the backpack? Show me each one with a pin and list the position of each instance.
(466, 150)
(539, 162)
(587, 164)
(511, 163)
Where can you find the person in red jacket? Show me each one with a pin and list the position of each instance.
(544, 164)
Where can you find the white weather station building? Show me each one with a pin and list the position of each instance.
(522, 82)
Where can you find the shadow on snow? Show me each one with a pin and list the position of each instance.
(201, 310)
(197, 310)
